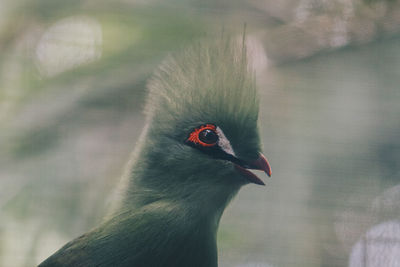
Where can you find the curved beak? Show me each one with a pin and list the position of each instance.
(260, 164)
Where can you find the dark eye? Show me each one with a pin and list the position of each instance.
(204, 136)
(208, 136)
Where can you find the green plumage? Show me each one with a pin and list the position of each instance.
(174, 194)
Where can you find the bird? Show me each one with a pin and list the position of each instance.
(200, 142)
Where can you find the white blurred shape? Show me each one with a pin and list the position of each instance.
(68, 43)
(302, 12)
(350, 224)
(388, 202)
(339, 35)
(256, 54)
(379, 247)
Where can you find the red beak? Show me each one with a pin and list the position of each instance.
(261, 164)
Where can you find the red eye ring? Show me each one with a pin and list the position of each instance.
(194, 135)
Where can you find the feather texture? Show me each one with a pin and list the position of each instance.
(210, 81)
(174, 195)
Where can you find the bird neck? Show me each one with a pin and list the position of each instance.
(200, 205)
(198, 200)
(179, 236)
(188, 210)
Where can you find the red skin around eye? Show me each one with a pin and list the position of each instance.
(194, 136)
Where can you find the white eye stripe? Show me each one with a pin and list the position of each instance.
(224, 143)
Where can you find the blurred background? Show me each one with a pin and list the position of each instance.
(72, 89)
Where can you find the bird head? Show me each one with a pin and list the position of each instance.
(203, 121)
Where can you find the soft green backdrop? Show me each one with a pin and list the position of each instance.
(72, 90)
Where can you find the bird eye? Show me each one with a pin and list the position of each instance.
(205, 135)
(208, 136)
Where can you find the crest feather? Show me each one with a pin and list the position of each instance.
(208, 81)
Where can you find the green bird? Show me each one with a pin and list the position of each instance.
(200, 141)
